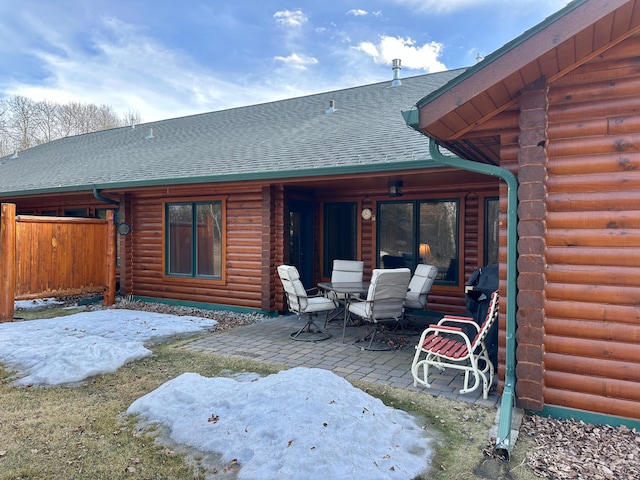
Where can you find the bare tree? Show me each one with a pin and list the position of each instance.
(21, 122)
(4, 145)
(45, 122)
(132, 117)
(25, 123)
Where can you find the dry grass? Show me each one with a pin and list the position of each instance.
(79, 432)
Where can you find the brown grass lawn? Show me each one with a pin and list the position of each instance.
(80, 432)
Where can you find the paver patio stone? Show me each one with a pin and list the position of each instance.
(268, 341)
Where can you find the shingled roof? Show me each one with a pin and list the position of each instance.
(283, 139)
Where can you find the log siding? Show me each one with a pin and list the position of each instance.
(243, 230)
(592, 310)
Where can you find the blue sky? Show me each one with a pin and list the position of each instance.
(169, 58)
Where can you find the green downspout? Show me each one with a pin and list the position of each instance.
(98, 196)
(503, 439)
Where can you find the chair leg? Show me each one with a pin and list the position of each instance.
(381, 346)
(310, 332)
(415, 367)
(333, 315)
(406, 326)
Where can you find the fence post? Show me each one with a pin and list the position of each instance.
(109, 297)
(7, 261)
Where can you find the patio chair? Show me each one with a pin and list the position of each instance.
(344, 271)
(446, 345)
(304, 304)
(419, 288)
(384, 302)
(347, 271)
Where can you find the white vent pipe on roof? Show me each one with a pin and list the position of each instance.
(332, 107)
(395, 67)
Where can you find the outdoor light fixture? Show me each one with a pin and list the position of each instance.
(395, 188)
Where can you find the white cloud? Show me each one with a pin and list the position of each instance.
(418, 57)
(359, 12)
(297, 61)
(130, 71)
(290, 18)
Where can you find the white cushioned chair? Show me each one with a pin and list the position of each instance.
(420, 286)
(303, 304)
(384, 302)
(344, 271)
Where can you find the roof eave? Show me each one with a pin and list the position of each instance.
(506, 62)
(243, 177)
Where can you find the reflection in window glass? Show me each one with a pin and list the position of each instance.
(491, 231)
(438, 238)
(395, 234)
(413, 232)
(194, 240)
(208, 239)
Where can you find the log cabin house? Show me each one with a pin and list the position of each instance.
(558, 107)
(209, 205)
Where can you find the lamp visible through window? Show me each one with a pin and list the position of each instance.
(425, 251)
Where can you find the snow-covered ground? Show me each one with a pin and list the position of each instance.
(299, 423)
(71, 348)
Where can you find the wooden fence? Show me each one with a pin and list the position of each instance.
(54, 256)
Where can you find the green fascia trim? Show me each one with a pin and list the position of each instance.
(563, 413)
(411, 118)
(274, 175)
(203, 305)
(489, 59)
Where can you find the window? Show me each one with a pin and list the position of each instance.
(76, 212)
(340, 234)
(421, 231)
(194, 239)
(491, 230)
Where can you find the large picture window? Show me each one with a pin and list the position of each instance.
(194, 239)
(420, 231)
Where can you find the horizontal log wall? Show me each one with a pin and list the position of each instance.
(592, 324)
(242, 283)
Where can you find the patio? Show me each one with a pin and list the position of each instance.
(269, 342)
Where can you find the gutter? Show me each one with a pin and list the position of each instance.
(503, 438)
(97, 195)
(273, 175)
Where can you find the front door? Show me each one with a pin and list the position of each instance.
(301, 239)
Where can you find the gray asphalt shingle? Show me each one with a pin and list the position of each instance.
(273, 140)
